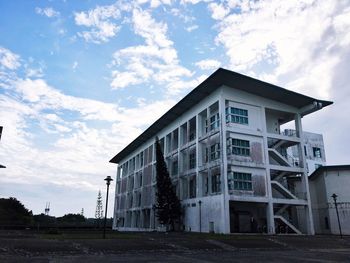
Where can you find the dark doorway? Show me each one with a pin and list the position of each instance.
(247, 217)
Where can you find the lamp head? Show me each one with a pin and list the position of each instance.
(108, 180)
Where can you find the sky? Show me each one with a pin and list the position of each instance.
(79, 80)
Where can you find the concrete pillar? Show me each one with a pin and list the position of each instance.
(269, 208)
(223, 154)
(304, 176)
(114, 225)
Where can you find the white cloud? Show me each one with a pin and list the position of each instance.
(154, 33)
(48, 138)
(100, 20)
(208, 64)
(75, 65)
(193, 2)
(155, 3)
(157, 60)
(34, 72)
(218, 11)
(8, 59)
(48, 11)
(191, 28)
(179, 86)
(293, 41)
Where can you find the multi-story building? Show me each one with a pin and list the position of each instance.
(226, 156)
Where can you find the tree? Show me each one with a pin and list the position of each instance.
(99, 208)
(71, 218)
(13, 212)
(168, 206)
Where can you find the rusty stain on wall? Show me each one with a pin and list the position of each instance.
(259, 185)
(256, 152)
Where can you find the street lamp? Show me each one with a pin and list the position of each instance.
(334, 196)
(108, 180)
(200, 216)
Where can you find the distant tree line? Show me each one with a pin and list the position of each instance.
(13, 214)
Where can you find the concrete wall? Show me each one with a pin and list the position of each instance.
(321, 190)
(211, 209)
(338, 182)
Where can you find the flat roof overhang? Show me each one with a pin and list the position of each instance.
(231, 79)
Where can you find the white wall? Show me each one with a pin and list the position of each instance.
(338, 182)
(211, 211)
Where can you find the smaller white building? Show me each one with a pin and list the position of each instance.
(324, 182)
(314, 150)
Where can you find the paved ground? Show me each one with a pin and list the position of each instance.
(30, 246)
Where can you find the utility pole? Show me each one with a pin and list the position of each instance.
(334, 196)
(108, 180)
(200, 216)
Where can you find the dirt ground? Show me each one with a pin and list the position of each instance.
(88, 246)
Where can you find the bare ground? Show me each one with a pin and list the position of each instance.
(88, 246)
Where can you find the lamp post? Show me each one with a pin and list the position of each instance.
(334, 196)
(108, 180)
(200, 216)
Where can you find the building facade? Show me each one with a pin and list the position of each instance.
(324, 182)
(227, 156)
(314, 151)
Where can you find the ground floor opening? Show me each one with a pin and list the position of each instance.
(248, 217)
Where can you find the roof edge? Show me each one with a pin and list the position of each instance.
(325, 168)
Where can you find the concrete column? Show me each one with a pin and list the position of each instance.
(269, 209)
(223, 154)
(304, 176)
(114, 225)
(198, 152)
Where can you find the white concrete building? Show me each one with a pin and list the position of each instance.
(314, 151)
(324, 182)
(227, 158)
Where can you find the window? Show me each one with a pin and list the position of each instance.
(317, 152)
(175, 167)
(192, 136)
(140, 179)
(305, 151)
(239, 181)
(214, 122)
(205, 185)
(215, 151)
(236, 115)
(138, 199)
(238, 147)
(130, 200)
(206, 155)
(192, 158)
(141, 159)
(193, 187)
(131, 183)
(215, 183)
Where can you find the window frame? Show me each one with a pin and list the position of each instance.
(236, 115)
(239, 181)
(216, 183)
(317, 152)
(238, 147)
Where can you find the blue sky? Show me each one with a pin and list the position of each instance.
(80, 79)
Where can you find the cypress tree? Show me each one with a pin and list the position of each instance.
(168, 206)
